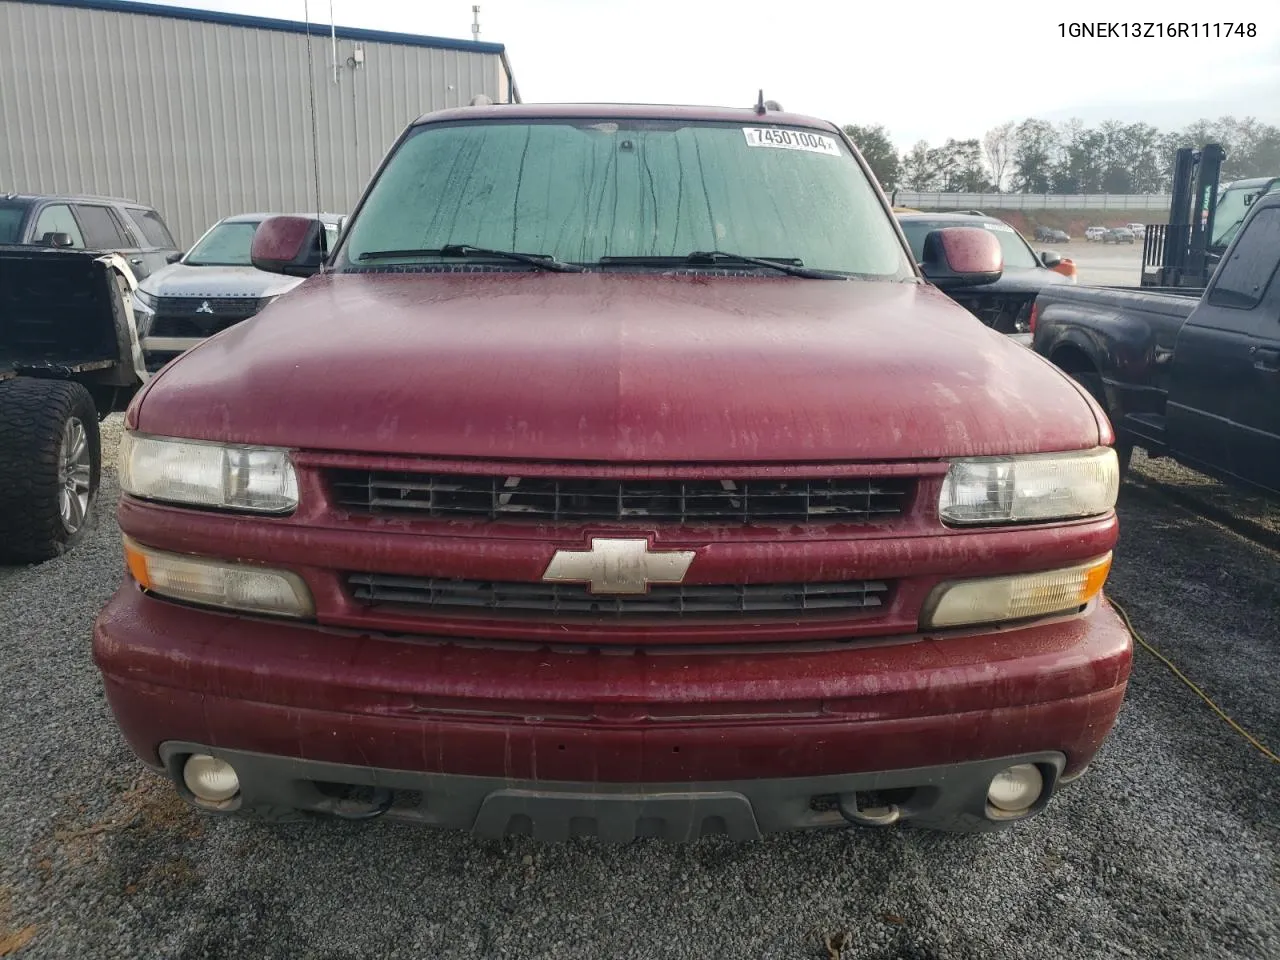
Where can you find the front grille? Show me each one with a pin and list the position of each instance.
(546, 499)
(375, 589)
(187, 316)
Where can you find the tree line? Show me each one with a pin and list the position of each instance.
(1036, 156)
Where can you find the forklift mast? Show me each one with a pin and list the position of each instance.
(1176, 255)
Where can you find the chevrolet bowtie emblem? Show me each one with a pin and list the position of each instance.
(204, 307)
(619, 566)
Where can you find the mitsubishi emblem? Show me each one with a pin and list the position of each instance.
(619, 566)
(204, 307)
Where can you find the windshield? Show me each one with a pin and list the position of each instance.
(629, 188)
(226, 245)
(1015, 250)
(1232, 207)
(11, 215)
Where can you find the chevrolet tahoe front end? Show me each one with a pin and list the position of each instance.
(691, 510)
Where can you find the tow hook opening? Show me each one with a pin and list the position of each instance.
(874, 808)
(352, 802)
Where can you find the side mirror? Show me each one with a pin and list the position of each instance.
(961, 257)
(58, 240)
(1049, 258)
(292, 246)
(174, 257)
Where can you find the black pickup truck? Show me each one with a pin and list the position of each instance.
(69, 357)
(1192, 375)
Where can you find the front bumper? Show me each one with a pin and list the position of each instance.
(951, 796)
(753, 734)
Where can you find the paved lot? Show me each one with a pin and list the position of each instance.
(1169, 847)
(1103, 264)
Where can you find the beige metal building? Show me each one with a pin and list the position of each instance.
(205, 114)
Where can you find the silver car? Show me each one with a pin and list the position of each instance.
(209, 288)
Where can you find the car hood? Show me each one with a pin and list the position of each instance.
(181, 280)
(618, 368)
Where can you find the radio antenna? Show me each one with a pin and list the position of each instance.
(333, 38)
(315, 135)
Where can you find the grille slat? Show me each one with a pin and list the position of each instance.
(850, 499)
(187, 306)
(559, 598)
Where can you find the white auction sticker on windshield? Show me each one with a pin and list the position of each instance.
(997, 226)
(791, 140)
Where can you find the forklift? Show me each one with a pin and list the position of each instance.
(1203, 220)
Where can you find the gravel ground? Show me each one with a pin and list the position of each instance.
(1254, 514)
(1168, 847)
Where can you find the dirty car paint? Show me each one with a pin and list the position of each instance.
(612, 368)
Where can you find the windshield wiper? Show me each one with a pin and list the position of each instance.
(790, 265)
(541, 260)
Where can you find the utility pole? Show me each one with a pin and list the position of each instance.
(333, 38)
(475, 23)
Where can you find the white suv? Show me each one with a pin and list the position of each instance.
(1095, 233)
(209, 288)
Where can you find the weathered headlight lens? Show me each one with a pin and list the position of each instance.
(254, 479)
(1058, 486)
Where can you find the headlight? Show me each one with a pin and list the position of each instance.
(235, 586)
(1016, 597)
(146, 300)
(1058, 486)
(256, 479)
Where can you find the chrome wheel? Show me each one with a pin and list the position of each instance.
(75, 470)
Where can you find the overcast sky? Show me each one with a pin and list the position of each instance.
(926, 70)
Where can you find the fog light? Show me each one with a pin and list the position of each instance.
(209, 778)
(1016, 788)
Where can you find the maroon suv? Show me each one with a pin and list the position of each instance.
(618, 473)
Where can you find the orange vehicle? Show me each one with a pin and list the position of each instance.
(1065, 267)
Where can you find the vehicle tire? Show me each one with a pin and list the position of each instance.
(50, 466)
